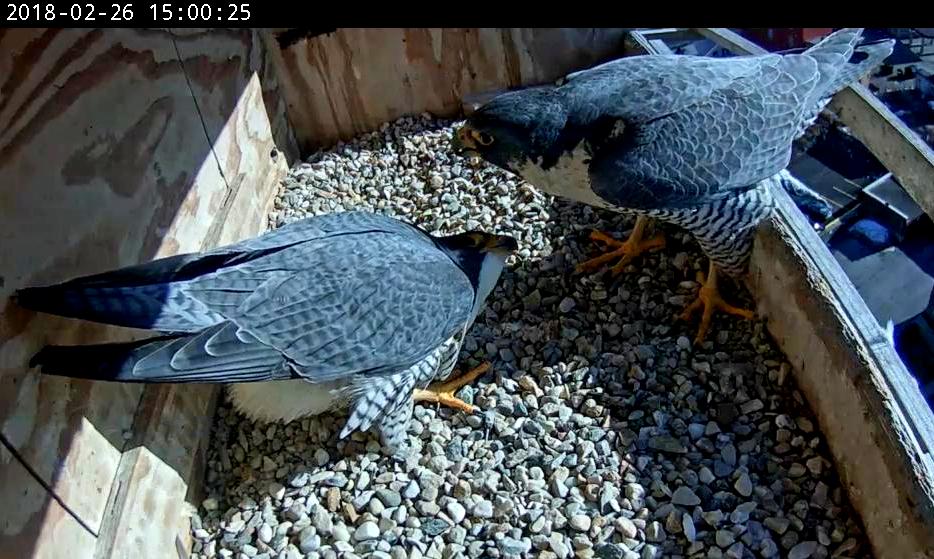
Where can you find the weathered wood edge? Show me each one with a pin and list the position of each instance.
(903, 385)
(888, 138)
(810, 303)
(844, 365)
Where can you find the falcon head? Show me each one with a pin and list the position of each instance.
(482, 257)
(514, 129)
(482, 243)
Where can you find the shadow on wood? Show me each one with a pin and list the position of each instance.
(116, 146)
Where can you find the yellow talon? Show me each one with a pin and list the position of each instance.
(709, 298)
(626, 250)
(443, 393)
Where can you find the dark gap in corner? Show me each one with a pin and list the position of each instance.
(288, 38)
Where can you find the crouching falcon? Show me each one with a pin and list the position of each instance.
(694, 141)
(350, 309)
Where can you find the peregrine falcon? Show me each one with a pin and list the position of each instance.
(347, 309)
(691, 140)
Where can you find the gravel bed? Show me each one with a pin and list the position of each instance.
(602, 432)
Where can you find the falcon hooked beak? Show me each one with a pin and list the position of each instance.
(468, 141)
(500, 244)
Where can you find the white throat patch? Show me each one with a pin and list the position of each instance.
(490, 271)
(568, 178)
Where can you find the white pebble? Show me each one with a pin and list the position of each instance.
(366, 531)
(456, 511)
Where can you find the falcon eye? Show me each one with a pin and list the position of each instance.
(482, 138)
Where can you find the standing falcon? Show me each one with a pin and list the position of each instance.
(344, 309)
(691, 140)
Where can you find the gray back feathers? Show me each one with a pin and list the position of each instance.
(334, 296)
(698, 128)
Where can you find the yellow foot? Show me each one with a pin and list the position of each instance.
(625, 251)
(709, 298)
(443, 393)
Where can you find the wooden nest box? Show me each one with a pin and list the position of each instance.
(121, 145)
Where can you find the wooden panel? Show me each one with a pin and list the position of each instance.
(173, 422)
(93, 178)
(231, 79)
(190, 160)
(40, 527)
(351, 81)
(847, 370)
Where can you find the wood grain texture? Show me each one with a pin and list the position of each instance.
(351, 81)
(224, 68)
(40, 528)
(846, 368)
(93, 179)
(149, 516)
(103, 179)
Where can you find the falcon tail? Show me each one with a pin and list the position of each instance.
(218, 354)
(130, 307)
(841, 62)
(109, 362)
(139, 296)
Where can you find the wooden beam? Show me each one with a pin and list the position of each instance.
(868, 405)
(874, 124)
(668, 33)
(649, 43)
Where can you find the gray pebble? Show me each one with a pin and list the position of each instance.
(434, 526)
(456, 511)
(366, 531)
(341, 533)
(580, 522)
(683, 496)
(803, 550)
(512, 546)
(724, 538)
(627, 527)
(667, 444)
(309, 540)
(483, 509)
(567, 304)
(776, 524)
(411, 491)
(654, 532)
(743, 485)
(687, 526)
(389, 498)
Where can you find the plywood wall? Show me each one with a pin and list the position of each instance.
(116, 146)
(352, 80)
